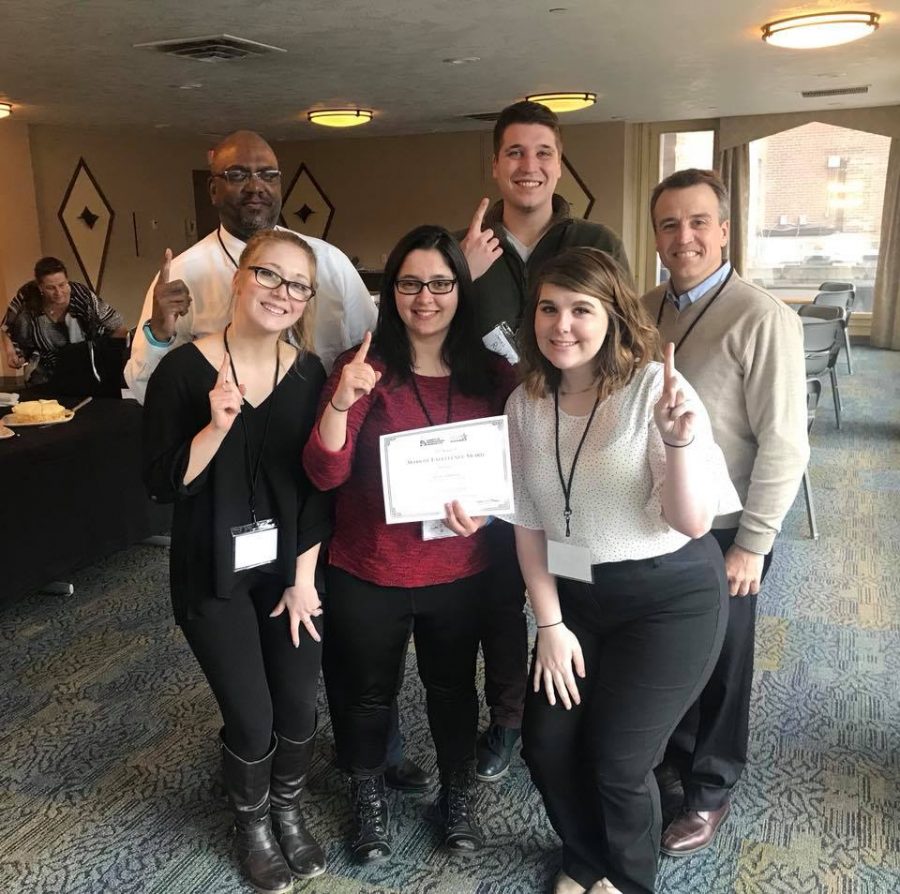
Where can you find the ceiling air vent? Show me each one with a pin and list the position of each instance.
(215, 48)
(483, 116)
(835, 91)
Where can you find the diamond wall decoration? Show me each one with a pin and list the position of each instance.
(87, 219)
(574, 190)
(305, 207)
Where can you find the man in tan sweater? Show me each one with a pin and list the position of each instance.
(742, 350)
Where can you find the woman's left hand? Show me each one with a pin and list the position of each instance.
(460, 523)
(302, 604)
(673, 413)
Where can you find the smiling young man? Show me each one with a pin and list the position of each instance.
(505, 246)
(192, 295)
(742, 350)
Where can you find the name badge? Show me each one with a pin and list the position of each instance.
(501, 341)
(435, 529)
(566, 560)
(255, 544)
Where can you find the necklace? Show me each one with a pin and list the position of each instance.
(580, 391)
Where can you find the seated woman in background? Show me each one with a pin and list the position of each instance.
(617, 481)
(426, 366)
(226, 418)
(49, 313)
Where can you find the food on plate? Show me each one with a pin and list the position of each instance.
(38, 411)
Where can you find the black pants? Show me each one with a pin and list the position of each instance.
(261, 682)
(504, 631)
(650, 631)
(367, 628)
(709, 746)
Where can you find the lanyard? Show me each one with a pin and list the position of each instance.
(699, 315)
(253, 471)
(567, 488)
(227, 252)
(422, 402)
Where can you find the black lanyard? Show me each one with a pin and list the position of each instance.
(227, 252)
(422, 402)
(567, 488)
(253, 471)
(699, 315)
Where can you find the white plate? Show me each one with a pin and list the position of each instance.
(6, 433)
(13, 423)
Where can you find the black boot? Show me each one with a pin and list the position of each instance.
(289, 773)
(257, 850)
(494, 752)
(372, 843)
(462, 836)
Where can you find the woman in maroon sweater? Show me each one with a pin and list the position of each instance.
(425, 365)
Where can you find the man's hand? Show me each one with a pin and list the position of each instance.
(481, 247)
(170, 301)
(14, 360)
(744, 570)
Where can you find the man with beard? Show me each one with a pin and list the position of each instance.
(191, 296)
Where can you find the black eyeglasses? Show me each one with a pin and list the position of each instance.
(242, 175)
(269, 279)
(414, 286)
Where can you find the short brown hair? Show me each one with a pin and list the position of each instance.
(631, 339)
(47, 267)
(302, 330)
(525, 112)
(693, 177)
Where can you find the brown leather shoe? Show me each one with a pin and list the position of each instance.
(693, 831)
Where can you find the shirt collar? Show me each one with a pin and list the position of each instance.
(698, 291)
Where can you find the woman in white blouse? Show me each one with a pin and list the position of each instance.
(617, 483)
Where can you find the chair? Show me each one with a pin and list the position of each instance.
(843, 295)
(813, 393)
(821, 345)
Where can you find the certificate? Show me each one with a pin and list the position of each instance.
(424, 468)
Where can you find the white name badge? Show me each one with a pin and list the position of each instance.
(566, 560)
(435, 529)
(501, 341)
(255, 544)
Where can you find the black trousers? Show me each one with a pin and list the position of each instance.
(261, 682)
(709, 746)
(504, 630)
(650, 631)
(367, 628)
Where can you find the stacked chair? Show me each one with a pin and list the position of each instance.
(822, 341)
(842, 295)
(813, 393)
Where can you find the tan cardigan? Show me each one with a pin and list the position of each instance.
(745, 359)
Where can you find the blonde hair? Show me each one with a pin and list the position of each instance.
(631, 338)
(302, 332)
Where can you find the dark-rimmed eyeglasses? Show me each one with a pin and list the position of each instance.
(414, 286)
(269, 279)
(242, 175)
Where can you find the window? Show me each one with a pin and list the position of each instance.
(816, 196)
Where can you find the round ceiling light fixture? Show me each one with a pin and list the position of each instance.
(340, 117)
(564, 102)
(5, 109)
(827, 29)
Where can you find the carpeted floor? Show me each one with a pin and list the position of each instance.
(110, 772)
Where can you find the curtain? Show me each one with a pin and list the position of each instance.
(733, 166)
(886, 300)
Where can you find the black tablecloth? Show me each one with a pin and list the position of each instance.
(72, 494)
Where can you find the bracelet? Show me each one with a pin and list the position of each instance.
(680, 445)
(153, 340)
(337, 408)
(545, 626)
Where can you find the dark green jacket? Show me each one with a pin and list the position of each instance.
(503, 290)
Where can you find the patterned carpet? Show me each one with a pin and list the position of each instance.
(110, 772)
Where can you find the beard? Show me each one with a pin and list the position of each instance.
(252, 220)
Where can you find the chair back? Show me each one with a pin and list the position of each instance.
(813, 393)
(821, 344)
(820, 311)
(834, 298)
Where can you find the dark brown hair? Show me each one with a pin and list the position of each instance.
(525, 112)
(693, 177)
(631, 339)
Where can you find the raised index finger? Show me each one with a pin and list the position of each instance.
(164, 267)
(364, 347)
(223, 378)
(669, 363)
(478, 217)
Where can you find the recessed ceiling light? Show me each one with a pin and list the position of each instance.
(188, 86)
(827, 29)
(5, 109)
(564, 102)
(340, 117)
(463, 60)
(558, 9)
